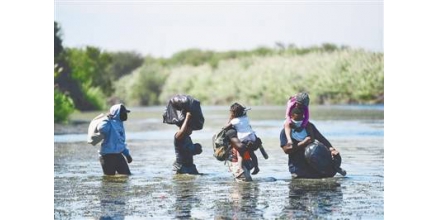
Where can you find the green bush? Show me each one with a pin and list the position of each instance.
(329, 76)
(63, 107)
(96, 97)
(143, 86)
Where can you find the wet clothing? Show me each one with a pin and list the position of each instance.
(297, 162)
(247, 165)
(114, 132)
(185, 150)
(235, 168)
(112, 163)
(114, 143)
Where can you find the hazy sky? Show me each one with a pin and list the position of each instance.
(162, 28)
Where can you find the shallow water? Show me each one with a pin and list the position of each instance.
(153, 191)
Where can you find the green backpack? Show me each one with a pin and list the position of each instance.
(221, 146)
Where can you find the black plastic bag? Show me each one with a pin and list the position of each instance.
(177, 108)
(172, 115)
(319, 157)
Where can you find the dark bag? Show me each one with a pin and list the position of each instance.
(197, 119)
(172, 115)
(177, 107)
(221, 146)
(319, 157)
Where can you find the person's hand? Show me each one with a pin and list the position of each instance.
(188, 114)
(288, 148)
(129, 159)
(308, 140)
(333, 151)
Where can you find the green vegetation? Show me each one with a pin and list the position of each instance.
(95, 79)
(143, 86)
(88, 74)
(341, 76)
(63, 106)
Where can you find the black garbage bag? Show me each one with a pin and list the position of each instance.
(319, 157)
(177, 108)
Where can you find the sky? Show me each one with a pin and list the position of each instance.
(162, 28)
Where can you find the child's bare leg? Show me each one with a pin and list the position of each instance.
(240, 171)
(288, 131)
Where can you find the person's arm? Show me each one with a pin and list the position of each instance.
(305, 142)
(288, 148)
(126, 153)
(184, 127)
(236, 143)
(323, 140)
(310, 132)
(288, 131)
(294, 146)
(231, 135)
(227, 126)
(104, 127)
(289, 105)
(319, 136)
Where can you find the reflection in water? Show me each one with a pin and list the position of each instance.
(313, 198)
(80, 191)
(242, 202)
(185, 191)
(113, 197)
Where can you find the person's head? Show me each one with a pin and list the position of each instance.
(237, 110)
(302, 99)
(123, 113)
(297, 114)
(118, 111)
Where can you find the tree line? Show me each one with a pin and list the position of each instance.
(92, 79)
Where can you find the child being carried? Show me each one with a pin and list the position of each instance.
(240, 122)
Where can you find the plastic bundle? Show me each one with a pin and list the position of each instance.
(177, 108)
(319, 157)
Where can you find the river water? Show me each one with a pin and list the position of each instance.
(81, 191)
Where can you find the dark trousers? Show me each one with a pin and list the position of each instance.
(112, 163)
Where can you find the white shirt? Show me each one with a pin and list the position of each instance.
(244, 129)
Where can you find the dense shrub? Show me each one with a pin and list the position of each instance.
(63, 106)
(143, 86)
(333, 76)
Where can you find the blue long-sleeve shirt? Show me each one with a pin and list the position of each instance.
(114, 133)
